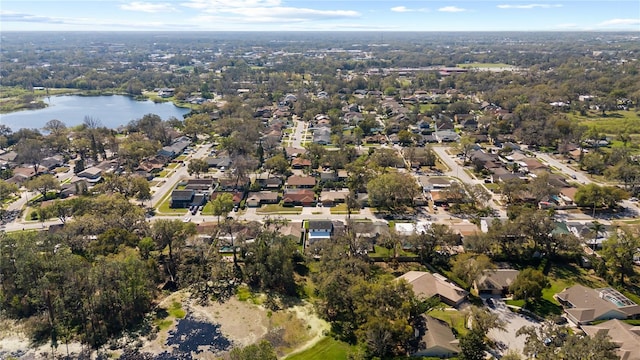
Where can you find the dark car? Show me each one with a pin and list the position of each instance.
(490, 303)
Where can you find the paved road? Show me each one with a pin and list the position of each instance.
(180, 172)
(300, 130)
(564, 168)
(457, 170)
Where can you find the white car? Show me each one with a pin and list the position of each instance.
(186, 219)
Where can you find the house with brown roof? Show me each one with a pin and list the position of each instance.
(300, 163)
(255, 199)
(298, 197)
(626, 337)
(495, 281)
(437, 339)
(584, 305)
(332, 197)
(21, 174)
(300, 182)
(430, 285)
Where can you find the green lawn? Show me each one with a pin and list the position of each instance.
(164, 173)
(325, 349)
(456, 319)
(341, 209)
(164, 208)
(278, 209)
(612, 123)
(173, 165)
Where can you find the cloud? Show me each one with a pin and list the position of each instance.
(87, 23)
(529, 6)
(212, 5)
(404, 9)
(451, 9)
(262, 11)
(615, 22)
(148, 7)
(400, 9)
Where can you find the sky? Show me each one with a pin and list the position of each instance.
(319, 15)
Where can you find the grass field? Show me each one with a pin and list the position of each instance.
(278, 209)
(341, 209)
(454, 318)
(164, 208)
(325, 349)
(612, 123)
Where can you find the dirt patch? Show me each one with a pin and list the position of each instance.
(189, 330)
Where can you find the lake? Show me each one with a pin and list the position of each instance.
(112, 111)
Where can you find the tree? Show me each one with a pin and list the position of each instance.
(277, 165)
(263, 351)
(552, 342)
(472, 346)
(30, 151)
(469, 266)
(134, 148)
(465, 147)
(43, 184)
(434, 238)
(197, 166)
(599, 196)
(528, 285)
(483, 320)
(222, 205)
(55, 127)
(198, 124)
(618, 252)
(7, 190)
(171, 233)
(392, 191)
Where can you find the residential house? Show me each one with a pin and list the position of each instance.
(370, 230)
(625, 336)
(181, 199)
(92, 174)
(52, 162)
(332, 197)
(300, 163)
(436, 339)
(201, 185)
(221, 163)
(8, 157)
(495, 281)
(236, 196)
(268, 182)
(298, 197)
(469, 124)
(460, 118)
(319, 230)
(258, 198)
(176, 148)
(300, 182)
(584, 305)
(21, 174)
(430, 285)
(294, 152)
(446, 136)
(232, 183)
(322, 136)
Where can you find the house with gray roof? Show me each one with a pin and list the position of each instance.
(626, 337)
(429, 285)
(436, 339)
(584, 305)
(495, 281)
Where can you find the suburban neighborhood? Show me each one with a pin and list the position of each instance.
(510, 236)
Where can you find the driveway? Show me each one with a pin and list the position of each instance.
(507, 339)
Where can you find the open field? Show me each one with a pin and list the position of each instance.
(612, 123)
(278, 209)
(327, 348)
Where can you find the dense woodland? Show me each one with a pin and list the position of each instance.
(108, 259)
